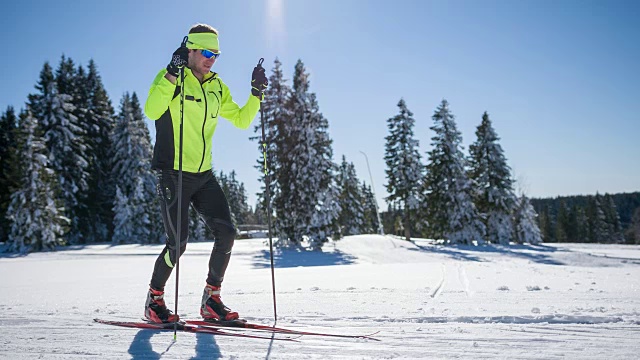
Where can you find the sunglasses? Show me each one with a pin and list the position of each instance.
(209, 54)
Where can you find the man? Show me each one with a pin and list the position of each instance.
(206, 98)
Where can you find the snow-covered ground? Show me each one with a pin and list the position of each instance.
(522, 302)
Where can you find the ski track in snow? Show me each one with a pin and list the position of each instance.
(440, 286)
(464, 280)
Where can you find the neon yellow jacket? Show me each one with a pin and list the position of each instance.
(203, 104)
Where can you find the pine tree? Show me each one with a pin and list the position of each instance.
(65, 142)
(370, 225)
(599, 229)
(36, 220)
(613, 220)
(197, 227)
(277, 118)
(633, 232)
(493, 186)
(236, 196)
(562, 223)
(450, 209)
(351, 218)
(526, 226)
(237, 199)
(324, 221)
(582, 225)
(131, 171)
(307, 167)
(99, 122)
(122, 224)
(8, 157)
(404, 167)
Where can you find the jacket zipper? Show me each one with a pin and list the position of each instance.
(204, 142)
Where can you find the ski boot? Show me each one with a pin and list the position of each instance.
(212, 308)
(155, 310)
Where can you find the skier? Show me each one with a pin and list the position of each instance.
(206, 97)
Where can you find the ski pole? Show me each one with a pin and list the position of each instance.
(268, 200)
(179, 217)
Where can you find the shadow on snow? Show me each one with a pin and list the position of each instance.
(284, 258)
(536, 253)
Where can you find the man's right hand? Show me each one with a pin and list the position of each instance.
(179, 59)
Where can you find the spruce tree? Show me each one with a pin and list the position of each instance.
(122, 224)
(351, 218)
(308, 167)
(197, 227)
(562, 223)
(404, 168)
(277, 118)
(599, 229)
(526, 226)
(324, 220)
(99, 121)
(613, 220)
(450, 210)
(34, 213)
(131, 171)
(8, 157)
(633, 232)
(370, 220)
(493, 187)
(64, 139)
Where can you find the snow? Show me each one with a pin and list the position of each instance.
(428, 301)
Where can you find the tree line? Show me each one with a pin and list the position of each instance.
(454, 197)
(74, 170)
(608, 218)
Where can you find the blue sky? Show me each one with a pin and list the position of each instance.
(560, 79)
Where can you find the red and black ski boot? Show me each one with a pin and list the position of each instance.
(212, 307)
(155, 310)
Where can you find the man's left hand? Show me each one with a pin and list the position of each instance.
(259, 82)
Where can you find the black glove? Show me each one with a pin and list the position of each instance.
(259, 81)
(179, 59)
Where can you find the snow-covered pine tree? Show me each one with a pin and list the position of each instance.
(131, 154)
(34, 213)
(582, 224)
(63, 139)
(450, 209)
(99, 120)
(370, 225)
(599, 229)
(307, 165)
(122, 224)
(277, 116)
(633, 232)
(352, 215)
(404, 167)
(526, 225)
(324, 221)
(8, 159)
(613, 220)
(493, 193)
(197, 227)
(237, 198)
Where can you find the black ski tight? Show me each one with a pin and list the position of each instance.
(203, 192)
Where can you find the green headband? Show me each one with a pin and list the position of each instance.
(203, 41)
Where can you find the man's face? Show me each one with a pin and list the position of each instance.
(199, 63)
